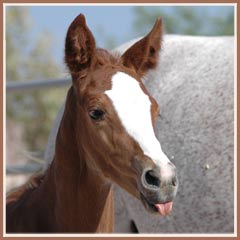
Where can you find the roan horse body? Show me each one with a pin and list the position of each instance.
(106, 135)
(194, 83)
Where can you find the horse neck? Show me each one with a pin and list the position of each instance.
(84, 200)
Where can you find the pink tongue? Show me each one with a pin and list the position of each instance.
(164, 208)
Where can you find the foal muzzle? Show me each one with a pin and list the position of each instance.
(158, 188)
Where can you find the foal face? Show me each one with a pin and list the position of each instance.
(116, 115)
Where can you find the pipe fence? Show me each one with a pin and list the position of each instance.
(13, 87)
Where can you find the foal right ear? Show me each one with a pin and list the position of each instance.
(143, 55)
(79, 48)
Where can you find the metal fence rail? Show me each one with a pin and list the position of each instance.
(12, 87)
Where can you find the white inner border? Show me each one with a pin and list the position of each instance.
(235, 121)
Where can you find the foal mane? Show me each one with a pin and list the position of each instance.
(105, 57)
(34, 182)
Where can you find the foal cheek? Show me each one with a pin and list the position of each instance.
(119, 146)
(105, 138)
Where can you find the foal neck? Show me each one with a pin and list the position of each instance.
(84, 200)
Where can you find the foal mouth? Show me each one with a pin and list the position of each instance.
(158, 208)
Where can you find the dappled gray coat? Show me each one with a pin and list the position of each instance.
(194, 86)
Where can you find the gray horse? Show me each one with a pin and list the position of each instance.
(194, 86)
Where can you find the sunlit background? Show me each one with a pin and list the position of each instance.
(34, 51)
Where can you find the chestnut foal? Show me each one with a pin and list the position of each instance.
(106, 135)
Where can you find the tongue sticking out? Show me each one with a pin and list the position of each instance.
(164, 208)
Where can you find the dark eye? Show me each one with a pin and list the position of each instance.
(96, 114)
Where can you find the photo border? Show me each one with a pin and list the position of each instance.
(132, 236)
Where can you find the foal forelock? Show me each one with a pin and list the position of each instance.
(133, 107)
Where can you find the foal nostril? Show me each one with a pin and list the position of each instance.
(174, 181)
(152, 178)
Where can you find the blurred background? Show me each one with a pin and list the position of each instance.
(35, 37)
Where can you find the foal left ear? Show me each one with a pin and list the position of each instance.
(80, 47)
(143, 55)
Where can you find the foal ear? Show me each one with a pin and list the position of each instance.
(143, 55)
(79, 47)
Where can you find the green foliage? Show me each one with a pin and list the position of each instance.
(28, 60)
(186, 20)
(17, 26)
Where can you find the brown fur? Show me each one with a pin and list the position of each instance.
(75, 193)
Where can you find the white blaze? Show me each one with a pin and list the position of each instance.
(133, 107)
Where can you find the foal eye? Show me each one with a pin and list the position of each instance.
(96, 114)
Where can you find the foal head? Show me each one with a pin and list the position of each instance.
(115, 115)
